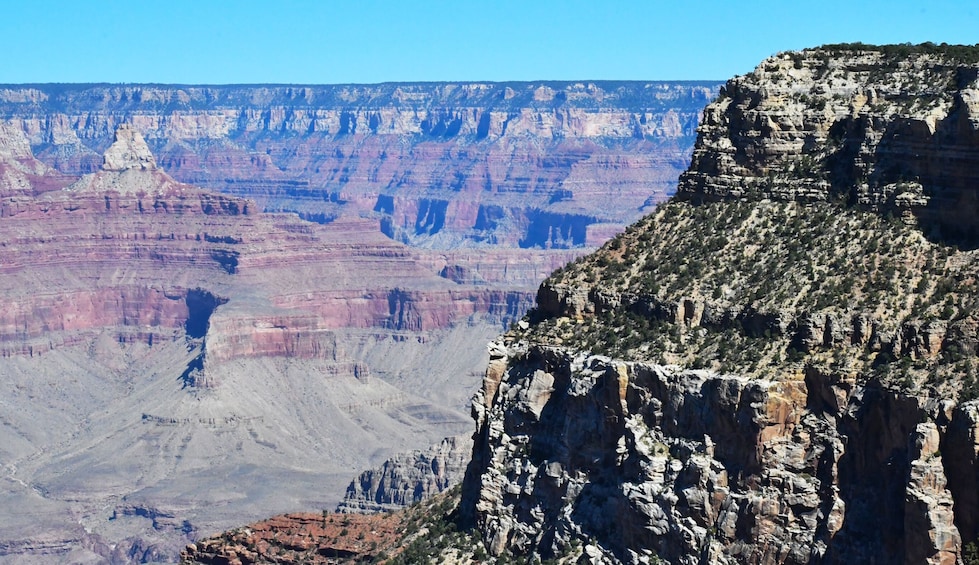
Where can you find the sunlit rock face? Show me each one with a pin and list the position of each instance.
(896, 133)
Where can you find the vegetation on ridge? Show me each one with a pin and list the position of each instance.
(966, 54)
(762, 268)
(812, 231)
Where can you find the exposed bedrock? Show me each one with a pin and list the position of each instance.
(409, 478)
(700, 467)
(860, 126)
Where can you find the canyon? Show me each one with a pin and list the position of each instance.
(776, 366)
(549, 164)
(203, 323)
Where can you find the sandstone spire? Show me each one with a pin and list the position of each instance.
(128, 151)
(128, 167)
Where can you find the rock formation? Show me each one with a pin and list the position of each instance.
(409, 478)
(889, 130)
(128, 151)
(779, 365)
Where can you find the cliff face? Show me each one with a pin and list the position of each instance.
(409, 478)
(440, 164)
(700, 467)
(777, 366)
(892, 131)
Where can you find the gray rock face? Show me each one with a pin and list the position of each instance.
(697, 467)
(128, 151)
(409, 477)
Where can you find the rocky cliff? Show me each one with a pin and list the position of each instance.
(409, 478)
(778, 365)
(889, 129)
(549, 164)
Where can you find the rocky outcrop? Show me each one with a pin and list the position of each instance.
(409, 478)
(885, 128)
(128, 151)
(544, 165)
(20, 172)
(301, 538)
(777, 366)
(693, 466)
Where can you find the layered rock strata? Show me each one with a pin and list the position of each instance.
(409, 478)
(306, 538)
(894, 130)
(223, 350)
(557, 164)
(202, 282)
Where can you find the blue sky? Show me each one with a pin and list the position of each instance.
(317, 42)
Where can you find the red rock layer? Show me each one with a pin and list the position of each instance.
(130, 259)
(301, 538)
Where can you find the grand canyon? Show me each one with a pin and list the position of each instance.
(225, 308)
(776, 366)
(221, 303)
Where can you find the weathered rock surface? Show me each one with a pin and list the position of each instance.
(896, 132)
(695, 466)
(409, 478)
(147, 271)
(128, 151)
(20, 172)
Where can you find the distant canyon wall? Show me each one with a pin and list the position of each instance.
(543, 164)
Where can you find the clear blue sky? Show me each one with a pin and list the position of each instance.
(316, 42)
